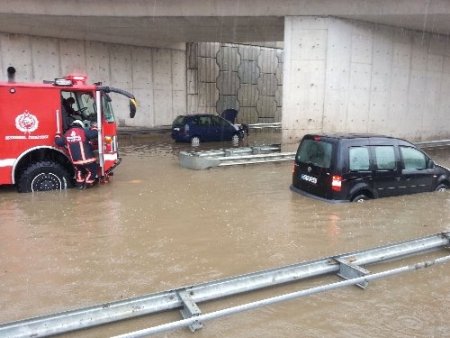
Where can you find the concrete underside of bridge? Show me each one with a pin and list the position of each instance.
(349, 65)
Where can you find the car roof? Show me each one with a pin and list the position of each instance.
(200, 114)
(193, 116)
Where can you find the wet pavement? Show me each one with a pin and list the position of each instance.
(157, 226)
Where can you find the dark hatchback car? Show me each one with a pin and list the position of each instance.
(357, 167)
(205, 127)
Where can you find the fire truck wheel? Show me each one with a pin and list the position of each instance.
(44, 176)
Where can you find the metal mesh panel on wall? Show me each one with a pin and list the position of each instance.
(243, 77)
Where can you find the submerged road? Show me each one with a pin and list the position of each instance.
(158, 226)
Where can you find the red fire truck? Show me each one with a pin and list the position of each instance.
(32, 114)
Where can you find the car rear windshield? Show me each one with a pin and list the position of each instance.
(315, 152)
(179, 121)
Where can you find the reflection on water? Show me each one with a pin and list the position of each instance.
(158, 226)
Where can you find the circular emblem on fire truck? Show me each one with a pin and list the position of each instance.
(26, 122)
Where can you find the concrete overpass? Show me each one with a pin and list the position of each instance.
(159, 23)
(349, 65)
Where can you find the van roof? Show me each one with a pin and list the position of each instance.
(350, 135)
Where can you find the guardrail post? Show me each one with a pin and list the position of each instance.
(350, 271)
(190, 309)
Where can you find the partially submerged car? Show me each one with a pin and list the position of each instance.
(358, 167)
(205, 127)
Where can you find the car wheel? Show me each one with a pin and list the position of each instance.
(195, 141)
(441, 187)
(44, 176)
(360, 198)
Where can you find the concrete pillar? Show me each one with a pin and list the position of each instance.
(305, 47)
(350, 76)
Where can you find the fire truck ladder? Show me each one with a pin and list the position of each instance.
(350, 267)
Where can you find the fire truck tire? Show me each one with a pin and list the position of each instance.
(44, 176)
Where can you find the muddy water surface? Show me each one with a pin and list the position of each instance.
(158, 226)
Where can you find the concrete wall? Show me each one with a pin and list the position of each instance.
(350, 76)
(157, 77)
(244, 77)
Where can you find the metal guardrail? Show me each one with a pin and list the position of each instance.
(233, 156)
(273, 125)
(348, 266)
(433, 144)
(130, 130)
(277, 299)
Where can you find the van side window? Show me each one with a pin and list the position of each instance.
(413, 159)
(358, 158)
(384, 157)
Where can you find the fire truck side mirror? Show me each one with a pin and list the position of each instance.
(133, 107)
(11, 73)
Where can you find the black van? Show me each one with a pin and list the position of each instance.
(357, 167)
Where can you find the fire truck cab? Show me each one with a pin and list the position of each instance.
(32, 115)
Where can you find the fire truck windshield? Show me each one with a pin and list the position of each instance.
(79, 105)
(82, 106)
(107, 108)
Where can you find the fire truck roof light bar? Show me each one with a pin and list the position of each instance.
(172, 299)
(68, 80)
(63, 82)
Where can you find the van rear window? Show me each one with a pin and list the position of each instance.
(317, 153)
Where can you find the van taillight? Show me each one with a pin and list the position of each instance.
(293, 168)
(336, 183)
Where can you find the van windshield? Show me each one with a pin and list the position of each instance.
(317, 153)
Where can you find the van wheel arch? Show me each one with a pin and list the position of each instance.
(443, 186)
(361, 196)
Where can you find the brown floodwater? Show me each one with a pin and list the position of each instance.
(157, 226)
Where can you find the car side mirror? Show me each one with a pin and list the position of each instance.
(431, 164)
